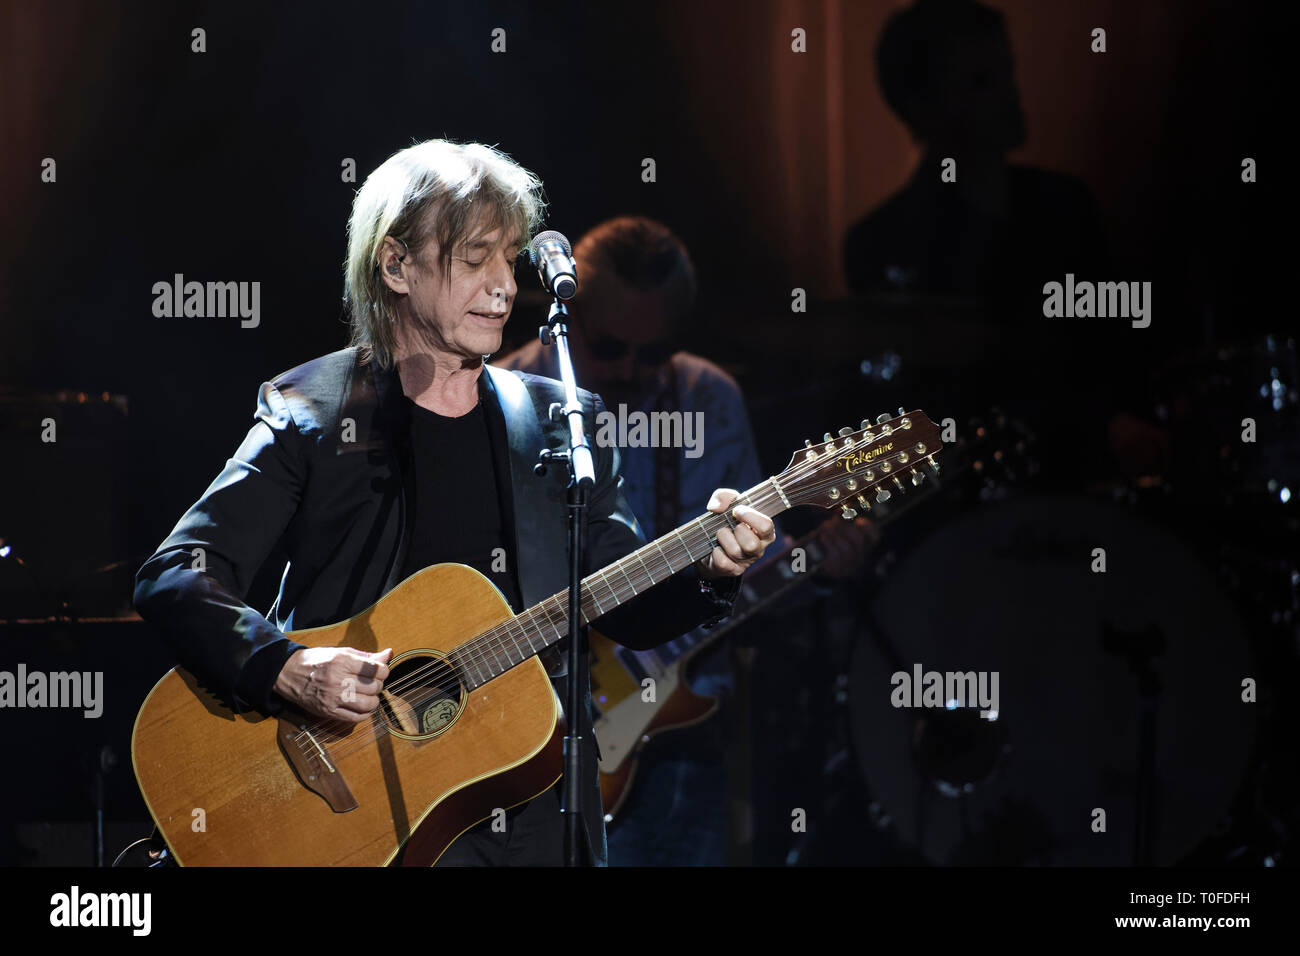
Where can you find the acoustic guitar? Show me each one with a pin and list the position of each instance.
(468, 721)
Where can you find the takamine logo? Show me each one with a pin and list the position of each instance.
(862, 457)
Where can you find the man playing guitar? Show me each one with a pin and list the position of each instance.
(399, 452)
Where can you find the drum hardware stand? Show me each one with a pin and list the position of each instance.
(1139, 649)
(105, 760)
(837, 764)
(740, 758)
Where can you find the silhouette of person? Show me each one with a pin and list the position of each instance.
(971, 225)
(997, 231)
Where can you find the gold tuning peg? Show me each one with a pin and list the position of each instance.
(901, 411)
(848, 514)
(826, 437)
(846, 431)
(864, 424)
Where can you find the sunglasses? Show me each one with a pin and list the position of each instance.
(610, 350)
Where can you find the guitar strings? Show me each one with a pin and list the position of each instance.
(489, 644)
(488, 647)
(494, 636)
(490, 651)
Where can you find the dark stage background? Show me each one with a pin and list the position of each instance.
(226, 165)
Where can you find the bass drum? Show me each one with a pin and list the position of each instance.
(1009, 590)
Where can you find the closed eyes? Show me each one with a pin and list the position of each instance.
(511, 260)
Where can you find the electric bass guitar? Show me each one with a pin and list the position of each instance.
(628, 716)
(468, 722)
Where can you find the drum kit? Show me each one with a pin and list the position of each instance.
(1139, 634)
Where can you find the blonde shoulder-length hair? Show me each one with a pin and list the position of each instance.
(437, 191)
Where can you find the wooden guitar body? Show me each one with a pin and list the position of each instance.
(231, 789)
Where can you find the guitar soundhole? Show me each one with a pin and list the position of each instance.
(423, 695)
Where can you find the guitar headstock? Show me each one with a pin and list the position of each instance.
(860, 468)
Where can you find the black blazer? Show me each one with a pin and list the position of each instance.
(323, 475)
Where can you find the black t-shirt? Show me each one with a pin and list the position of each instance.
(457, 505)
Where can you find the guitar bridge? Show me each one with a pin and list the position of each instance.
(312, 765)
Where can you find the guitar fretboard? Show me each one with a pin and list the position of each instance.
(512, 642)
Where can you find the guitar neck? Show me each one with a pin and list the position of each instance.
(773, 578)
(839, 473)
(523, 636)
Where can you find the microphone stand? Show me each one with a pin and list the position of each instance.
(582, 478)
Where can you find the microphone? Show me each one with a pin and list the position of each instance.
(551, 254)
